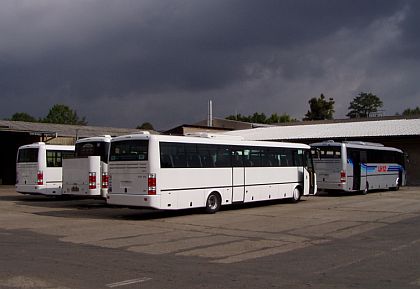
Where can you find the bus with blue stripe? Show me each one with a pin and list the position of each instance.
(357, 166)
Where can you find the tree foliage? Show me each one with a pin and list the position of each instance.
(262, 118)
(411, 112)
(364, 104)
(145, 126)
(63, 114)
(23, 116)
(320, 108)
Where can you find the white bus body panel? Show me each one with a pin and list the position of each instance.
(26, 173)
(76, 176)
(181, 188)
(328, 174)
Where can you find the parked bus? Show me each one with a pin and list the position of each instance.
(39, 168)
(87, 173)
(358, 166)
(179, 172)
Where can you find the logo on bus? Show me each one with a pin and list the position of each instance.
(382, 169)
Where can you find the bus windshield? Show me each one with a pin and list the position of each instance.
(129, 150)
(86, 149)
(29, 155)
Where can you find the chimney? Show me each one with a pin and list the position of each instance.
(210, 114)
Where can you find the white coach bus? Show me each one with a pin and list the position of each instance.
(87, 173)
(39, 168)
(179, 172)
(358, 166)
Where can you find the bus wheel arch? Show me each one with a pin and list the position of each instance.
(397, 185)
(213, 202)
(366, 190)
(297, 194)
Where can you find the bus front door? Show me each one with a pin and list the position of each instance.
(309, 176)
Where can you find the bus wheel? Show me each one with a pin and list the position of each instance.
(296, 195)
(213, 203)
(366, 190)
(397, 186)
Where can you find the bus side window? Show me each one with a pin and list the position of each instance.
(193, 157)
(207, 155)
(223, 157)
(237, 157)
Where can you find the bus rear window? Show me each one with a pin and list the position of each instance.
(326, 153)
(129, 150)
(29, 155)
(86, 149)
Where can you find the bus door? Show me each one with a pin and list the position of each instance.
(359, 175)
(238, 175)
(309, 176)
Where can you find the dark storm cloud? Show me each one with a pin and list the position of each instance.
(141, 57)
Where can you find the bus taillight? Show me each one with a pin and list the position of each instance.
(92, 180)
(151, 184)
(40, 178)
(343, 176)
(105, 180)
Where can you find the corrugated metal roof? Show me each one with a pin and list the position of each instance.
(397, 127)
(63, 130)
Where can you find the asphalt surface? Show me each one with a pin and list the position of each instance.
(341, 241)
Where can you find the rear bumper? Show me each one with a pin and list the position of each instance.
(327, 186)
(131, 200)
(52, 190)
(83, 190)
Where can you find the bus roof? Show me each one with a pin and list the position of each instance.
(48, 146)
(210, 140)
(102, 138)
(356, 144)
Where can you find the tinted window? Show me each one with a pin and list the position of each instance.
(87, 149)
(185, 155)
(29, 155)
(326, 152)
(129, 150)
(55, 157)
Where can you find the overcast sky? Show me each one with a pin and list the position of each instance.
(122, 63)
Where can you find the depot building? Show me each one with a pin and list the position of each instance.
(401, 133)
(14, 134)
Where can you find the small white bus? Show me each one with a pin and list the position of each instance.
(87, 173)
(39, 168)
(179, 172)
(358, 166)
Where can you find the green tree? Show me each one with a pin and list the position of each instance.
(363, 105)
(261, 118)
(411, 112)
(63, 114)
(23, 116)
(320, 108)
(145, 126)
(239, 117)
(275, 118)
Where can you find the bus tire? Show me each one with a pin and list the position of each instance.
(366, 190)
(213, 203)
(296, 195)
(397, 186)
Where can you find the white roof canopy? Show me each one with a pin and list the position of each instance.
(396, 127)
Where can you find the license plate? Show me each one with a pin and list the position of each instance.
(75, 189)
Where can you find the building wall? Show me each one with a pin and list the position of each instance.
(10, 142)
(410, 145)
